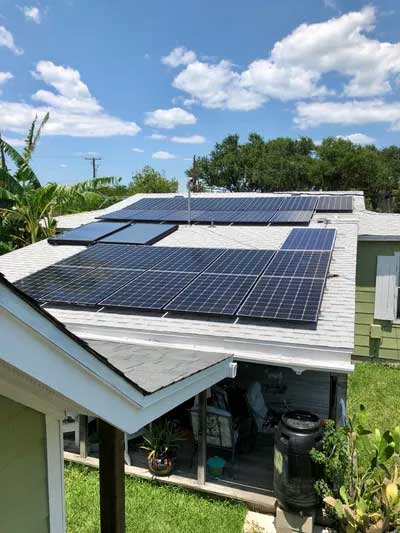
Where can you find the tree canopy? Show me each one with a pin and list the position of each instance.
(285, 164)
(149, 180)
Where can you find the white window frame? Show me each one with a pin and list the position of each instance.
(387, 288)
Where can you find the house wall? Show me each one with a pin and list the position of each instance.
(389, 346)
(23, 469)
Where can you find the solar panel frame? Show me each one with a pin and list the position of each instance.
(283, 298)
(335, 204)
(45, 281)
(150, 204)
(310, 239)
(215, 294)
(241, 262)
(152, 290)
(140, 234)
(94, 286)
(127, 215)
(87, 233)
(189, 260)
(299, 264)
(299, 203)
(291, 217)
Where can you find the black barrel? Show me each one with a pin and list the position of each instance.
(294, 471)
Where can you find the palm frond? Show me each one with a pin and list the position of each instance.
(24, 172)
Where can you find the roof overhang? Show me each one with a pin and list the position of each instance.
(64, 375)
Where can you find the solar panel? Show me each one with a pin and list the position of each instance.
(216, 217)
(263, 203)
(44, 281)
(253, 217)
(292, 217)
(98, 255)
(213, 294)
(181, 215)
(87, 233)
(120, 256)
(189, 259)
(149, 204)
(299, 203)
(299, 264)
(121, 214)
(282, 298)
(245, 262)
(93, 287)
(310, 239)
(335, 204)
(152, 290)
(140, 234)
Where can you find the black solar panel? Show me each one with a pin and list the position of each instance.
(263, 203)
(299, 203)
(299, 264)
(176, 202)
(282, 298)
(253, 217)
(216, 217)
(246, 262)
(292, 217)
(120, 256)
(152, 290)
(93, 287)
(182, 215)
(44, 281)
(213, 294)
(189, 259)
(140, 234)
(87, 233)
(119, 215)
(335, 204)
(310, 239)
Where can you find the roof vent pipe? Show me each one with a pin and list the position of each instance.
(189, 188)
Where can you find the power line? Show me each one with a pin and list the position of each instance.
(94, 166)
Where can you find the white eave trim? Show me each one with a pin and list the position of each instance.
(391, 238)
(296, 356)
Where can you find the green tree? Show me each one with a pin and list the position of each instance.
(149, 180)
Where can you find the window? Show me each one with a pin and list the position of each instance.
(387, 301)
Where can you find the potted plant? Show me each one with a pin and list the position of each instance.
(360, 487)
(161, 442)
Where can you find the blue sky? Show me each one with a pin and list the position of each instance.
(156, 82)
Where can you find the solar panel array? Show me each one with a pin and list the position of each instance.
(114, 232)
(286, 284)
(280, 209)
(87, 233)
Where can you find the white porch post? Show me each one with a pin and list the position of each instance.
(202, 439)
(55, 474)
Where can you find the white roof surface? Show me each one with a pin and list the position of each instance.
(326, 347)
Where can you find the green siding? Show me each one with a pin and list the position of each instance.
(23, 469)
(389, 346)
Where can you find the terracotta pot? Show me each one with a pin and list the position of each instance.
(160, 466)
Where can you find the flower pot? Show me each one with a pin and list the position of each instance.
(160, 466)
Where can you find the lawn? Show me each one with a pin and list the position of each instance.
(150, 507)
(376, 386)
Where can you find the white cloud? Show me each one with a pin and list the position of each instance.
(354, 112)
(179, 56)
(7, 40)
(16, 143)
(161, 154)
(73, 110)
(32, 14)
(169, 118)
(296, 66)
(157, 136)
(63, 165)
(4, 77)
(138, 150)
(331, 4)
(357, 138)
(192, 139)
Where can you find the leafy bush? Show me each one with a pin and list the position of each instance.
(360, 484)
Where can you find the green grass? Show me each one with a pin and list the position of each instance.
(376, 386)
(150, 507)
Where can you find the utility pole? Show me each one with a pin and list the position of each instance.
(93, 160)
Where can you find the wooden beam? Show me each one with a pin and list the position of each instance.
(83, 436)
(202, 440)
(112, 479)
